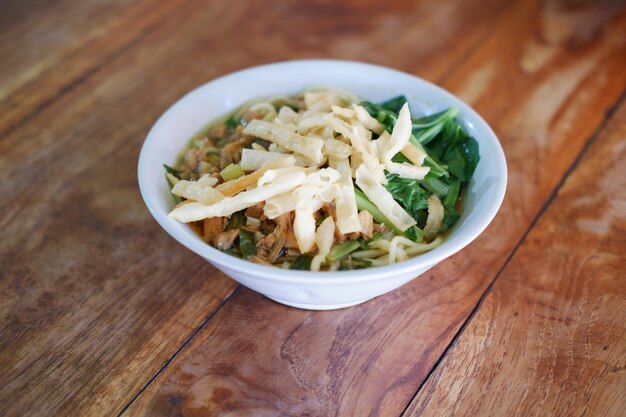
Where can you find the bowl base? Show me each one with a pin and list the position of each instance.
(305, 306)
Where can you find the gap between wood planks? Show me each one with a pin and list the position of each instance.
(180, 348)
(607, 117)
(7, 131)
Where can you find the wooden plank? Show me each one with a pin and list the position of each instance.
(47, 47)
(71, 39)
(95, 297)
(550, 337)
(370, 360)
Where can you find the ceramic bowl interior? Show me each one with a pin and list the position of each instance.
(305, 289)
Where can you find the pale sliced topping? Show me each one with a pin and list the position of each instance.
(201, 190)
(367, 224)
(407, 170)
(257, 147)
(414, 154)
(232, 187)
(171, 179)
(327, 132)
(314, 120)
(311, 148)
(327, 193)
(346, 208)
(285, 203)
(400, 135)
(288, 115)
(323, 181)
(254, 159)
(287, 125)
(279, 205)
(383, 199)
(324, 177)
(275, 148)
(355, 162)
(319, 184)
(304, 220)
(266, 108)
(192, 211)
(343, 112)
(271, 175)
(390, 145)
(325, 236)
(366, 120)
(381, 144)
(286, 177)
(361, 140)
(321, 100)
(435, 216)
(337, 149)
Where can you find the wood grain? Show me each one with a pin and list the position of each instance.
(95, 298)
(536, 85)
(550, 337)
(48, 47)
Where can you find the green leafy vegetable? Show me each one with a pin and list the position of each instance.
(436, 170)
(385, 116)
(247, 243)
(427, 128)
(415, 233)
(412, 197)
(394, 104)
(172, 177)
(452, 156)
(232, 122)
(363, 203)
(425, 122)
(451, 214)
(233, 252)
(342, 250)
(456, 149)
(453, 194)
(289, 259)
(374, 238)
(400, 158)
(462, 159)
(407, 192)
(350, 263)
(171, 171)
(302, 262)
(436, 186)
(235, 221)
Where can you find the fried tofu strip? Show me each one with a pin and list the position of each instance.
(383, 199)
(311, 148)
(324, 238)
(232, 187)
(192, 211)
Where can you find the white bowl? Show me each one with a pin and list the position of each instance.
(305, 289)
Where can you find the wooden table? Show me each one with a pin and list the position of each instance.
(102, 313)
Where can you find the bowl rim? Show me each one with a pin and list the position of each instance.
(422, 261)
